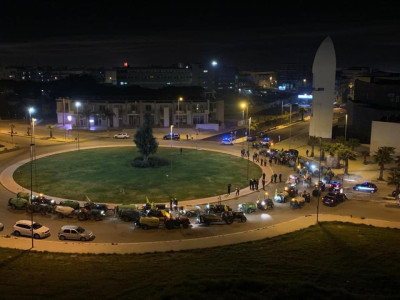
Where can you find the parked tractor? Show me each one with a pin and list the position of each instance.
(157, 218)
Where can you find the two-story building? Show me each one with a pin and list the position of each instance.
(123, 113)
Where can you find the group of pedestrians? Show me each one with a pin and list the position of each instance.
(275, 176)
(254, 184)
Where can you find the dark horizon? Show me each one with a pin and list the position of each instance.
(97, 34)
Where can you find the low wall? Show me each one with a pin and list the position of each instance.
(208, 126)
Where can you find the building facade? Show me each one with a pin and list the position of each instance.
(116, 113)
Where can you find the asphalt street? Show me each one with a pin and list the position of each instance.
(113, 230)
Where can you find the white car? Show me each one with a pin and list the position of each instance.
(24, 227)
(122, 135)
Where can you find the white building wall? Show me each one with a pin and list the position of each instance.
(324, 70)
(385, 134)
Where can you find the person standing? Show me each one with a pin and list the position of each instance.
(237, 191)
(263, 184)
(280, 177)
(251, 184)
(272, 178)
(229, 188)
(261, 161)
(307, 152)
(263, 176)
(275, 176)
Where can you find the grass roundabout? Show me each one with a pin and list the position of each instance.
(106, 175)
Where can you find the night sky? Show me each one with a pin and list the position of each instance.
(247, 35)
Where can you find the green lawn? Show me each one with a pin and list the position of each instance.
(106, 175)
(330, 261)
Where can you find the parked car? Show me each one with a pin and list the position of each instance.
(175, 136)
(366, 187)
(247, 207)
(333, 199)
(121, 135)
(74, 232)
(24, 227)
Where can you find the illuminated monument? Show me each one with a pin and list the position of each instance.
(324, 69)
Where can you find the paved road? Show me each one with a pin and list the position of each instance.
(112, 230)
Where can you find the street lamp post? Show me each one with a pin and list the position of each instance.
(290, 123)
(179, 100)
(78, 104)
(345, 129)
(31, 110)
(172, 126)
(319, 175)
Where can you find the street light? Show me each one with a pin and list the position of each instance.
(77, 104)
(31, 110)
(179, 100)
(319, 175)
(244, 105)
(172, 126)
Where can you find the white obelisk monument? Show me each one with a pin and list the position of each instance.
(324, 70)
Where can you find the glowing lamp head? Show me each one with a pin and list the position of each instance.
(78, 104)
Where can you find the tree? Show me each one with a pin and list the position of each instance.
(333, 149)
(144, 139)
(365, 154)
(352, 143)
(50, 127)
(313, 141)
(394, 179)
(302, 111)
(382, 156)
(346, 155)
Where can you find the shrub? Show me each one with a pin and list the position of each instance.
(152, 162)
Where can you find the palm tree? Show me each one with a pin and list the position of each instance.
(352, 143)
(302, 111)
(397, 160)
(365, 154)
(346, 155)
(394, 179)
(313, 141)
(382, 156)
(50, 127)
(333, 149)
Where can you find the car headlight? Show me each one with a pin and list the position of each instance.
(103, 213)
(262, 202)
